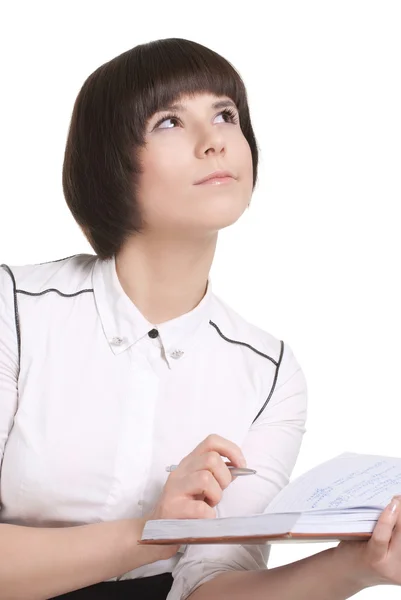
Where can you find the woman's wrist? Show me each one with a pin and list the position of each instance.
(144, 554)
(148, 554)
(351, 558)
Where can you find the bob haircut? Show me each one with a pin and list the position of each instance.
(101, 165)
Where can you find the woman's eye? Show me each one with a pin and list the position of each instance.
(164, 120)
(229, 116)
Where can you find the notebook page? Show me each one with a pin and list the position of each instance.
(348, 480)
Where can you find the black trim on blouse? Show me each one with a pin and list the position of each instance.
(276, 363)
(16, 291)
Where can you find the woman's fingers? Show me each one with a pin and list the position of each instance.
(378, 545)
(200, 510)
(384, 547)
(190, 497)
(395, 541)
(196, 486)
(203, 486)
(220, 445)
(209, 461)
(377, 561)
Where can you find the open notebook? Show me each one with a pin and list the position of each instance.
(340, 499)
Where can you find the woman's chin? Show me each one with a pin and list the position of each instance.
(219, 219)
(224, 214)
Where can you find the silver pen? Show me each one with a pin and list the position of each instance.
(235, 471)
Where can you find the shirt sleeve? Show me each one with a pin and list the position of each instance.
(8, 361)
(271, 447)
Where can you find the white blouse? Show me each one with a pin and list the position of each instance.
(95, 402)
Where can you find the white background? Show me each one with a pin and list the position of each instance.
(315, 261)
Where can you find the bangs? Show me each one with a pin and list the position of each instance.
(154, 75)
(175, 68)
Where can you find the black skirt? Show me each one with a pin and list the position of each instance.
(144, 588)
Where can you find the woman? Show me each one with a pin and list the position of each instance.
(116, 365)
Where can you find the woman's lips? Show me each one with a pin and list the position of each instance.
(217, 181)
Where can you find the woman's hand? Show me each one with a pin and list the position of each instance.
(196, 486)
(378, 561)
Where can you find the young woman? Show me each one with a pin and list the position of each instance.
(118, 364)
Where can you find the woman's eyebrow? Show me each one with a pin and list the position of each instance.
(215, 105)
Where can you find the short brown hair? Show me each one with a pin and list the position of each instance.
(100, 168)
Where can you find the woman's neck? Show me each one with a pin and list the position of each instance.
(165, 278)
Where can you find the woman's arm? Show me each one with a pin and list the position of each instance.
(323, 576)
(38, 563)
(334, 574)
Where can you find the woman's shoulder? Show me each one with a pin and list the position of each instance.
(233, 327)
(236, 328)
(64, 274)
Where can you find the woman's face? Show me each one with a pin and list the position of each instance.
(182, 149)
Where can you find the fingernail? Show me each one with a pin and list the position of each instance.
(394, 505)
